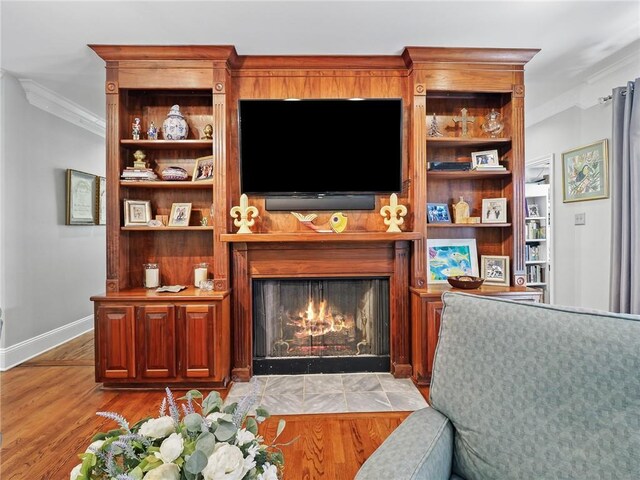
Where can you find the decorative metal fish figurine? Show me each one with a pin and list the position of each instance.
(337, 222)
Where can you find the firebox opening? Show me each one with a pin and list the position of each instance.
(320, 325)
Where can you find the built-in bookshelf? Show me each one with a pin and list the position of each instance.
(538, 237)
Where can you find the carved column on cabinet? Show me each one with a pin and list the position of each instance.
(242, 314)
(221, 250)
(113, 180)
(419, 172)
(518, 176)
(400, 325)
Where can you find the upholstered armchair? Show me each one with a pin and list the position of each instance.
(523, 391)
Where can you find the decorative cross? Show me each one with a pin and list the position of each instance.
(394, 212)
(464, 119)
(243, 212)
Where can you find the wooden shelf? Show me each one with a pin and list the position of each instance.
(165, 229)
(185, 184)
(535, 262)
(465, 175)
(468, 225)
(535, 218)
(167, 144)
(466, 141)
(320, 237)
(150, 294)
(535, 240)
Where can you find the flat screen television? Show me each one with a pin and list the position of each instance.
(320, 154)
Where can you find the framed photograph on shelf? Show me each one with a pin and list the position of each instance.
(488, 158)
(585, 173)
(203, 169)
(495, 270)
(137, 213)
(180, 214)
(494, 210)
(451, 257)
(438, 213)
(532, 210)
(81, 198)
(101, 200)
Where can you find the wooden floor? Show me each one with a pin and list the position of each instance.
(47, 416)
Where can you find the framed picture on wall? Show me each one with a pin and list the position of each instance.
(495, 269)
(585, 173)
(451, 257)
(81, 198)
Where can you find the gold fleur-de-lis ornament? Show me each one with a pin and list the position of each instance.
(243, 212)
(393, 214)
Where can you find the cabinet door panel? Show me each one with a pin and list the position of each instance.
(434, 315)
(157, 341)
(116, 342)
(197, 345)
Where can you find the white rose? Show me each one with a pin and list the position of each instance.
(75, 473)
(244, 436)
(225, 463)
(157, 427)
(270, 472)
(95, 446)
(215, 416)
(171, 448)
(166, 471)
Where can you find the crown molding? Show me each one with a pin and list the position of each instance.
(55, 104)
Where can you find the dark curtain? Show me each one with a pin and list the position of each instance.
(625, 166)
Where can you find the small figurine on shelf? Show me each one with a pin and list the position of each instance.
(433, 128)
(208, 132)
(139, 161)
(245, 215)
(493, 125)
(152, 131)
(461, 211)
(136, 129)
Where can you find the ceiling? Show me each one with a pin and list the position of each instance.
(47, 41)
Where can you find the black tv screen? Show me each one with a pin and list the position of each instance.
(308, 147)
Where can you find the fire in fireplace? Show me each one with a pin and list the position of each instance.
(321, 325)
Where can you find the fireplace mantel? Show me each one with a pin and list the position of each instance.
(320, 237)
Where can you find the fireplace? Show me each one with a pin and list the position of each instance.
(320, 325)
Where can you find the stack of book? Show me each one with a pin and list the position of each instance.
(489, 168)
(138, 174)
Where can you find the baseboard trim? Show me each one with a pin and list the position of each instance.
(23, 351)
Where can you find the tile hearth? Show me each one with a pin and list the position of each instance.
(331, 393)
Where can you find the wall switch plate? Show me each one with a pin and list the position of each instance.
(580, 219)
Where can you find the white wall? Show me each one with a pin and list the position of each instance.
(49, 270)
(581, 257)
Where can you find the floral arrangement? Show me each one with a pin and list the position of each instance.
(220, 443)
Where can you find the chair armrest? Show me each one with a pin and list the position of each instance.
(421, 447)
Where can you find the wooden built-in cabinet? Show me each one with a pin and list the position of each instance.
(148, 338)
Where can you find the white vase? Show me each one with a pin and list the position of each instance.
(175, 126)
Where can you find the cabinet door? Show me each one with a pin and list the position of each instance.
(434, 315)
(115, 342)
(157, 341)
(197, 342)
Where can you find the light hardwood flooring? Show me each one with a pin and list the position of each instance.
(47, 416)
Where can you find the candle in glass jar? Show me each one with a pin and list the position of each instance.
(151, 275)
(200, 273)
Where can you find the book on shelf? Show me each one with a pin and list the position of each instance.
(131, 173)
(449, 166)
(490, 168)
(535, 274)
